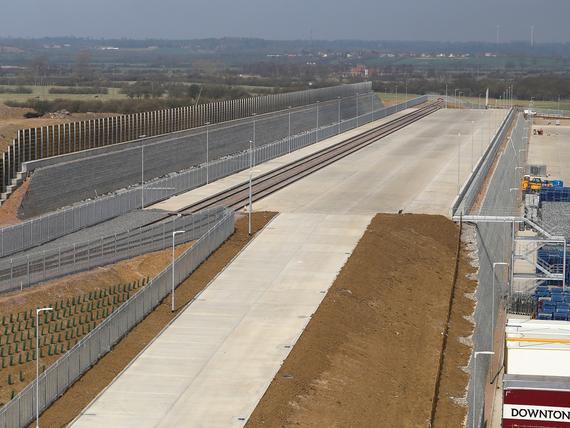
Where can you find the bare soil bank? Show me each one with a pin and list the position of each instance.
(369, 357)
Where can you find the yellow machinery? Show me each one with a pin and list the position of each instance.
(530, 183)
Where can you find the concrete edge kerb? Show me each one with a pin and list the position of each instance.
(179, 313)
(479, 167)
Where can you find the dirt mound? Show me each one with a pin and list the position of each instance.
(369, 356)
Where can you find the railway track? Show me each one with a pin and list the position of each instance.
(235, 197)
(238, 196)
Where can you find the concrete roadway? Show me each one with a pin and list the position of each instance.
(551, 149)
(211, 367)
(415, 169)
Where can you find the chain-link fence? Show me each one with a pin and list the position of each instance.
(470, 191)
(62, 222)
(495, 245)
(51, 384)
(19, 272)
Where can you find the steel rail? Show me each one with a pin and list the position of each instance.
(270, 182)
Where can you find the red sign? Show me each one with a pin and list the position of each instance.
(533, 408)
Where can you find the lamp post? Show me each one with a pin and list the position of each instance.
(357, 109)
(339, 119)
(253, 152)
(493, 305)
(207, 152)
(458, 162)
(38, 362)
(250, 195)
(289, 129)
(317, 128)
(397, 108)
(472, 137)
(176, 232)
(142, 177)
(514, 189)
(473, 377)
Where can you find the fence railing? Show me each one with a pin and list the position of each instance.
(472, 188)
(61, 181)
(54, 140)
(19, 272)
(62, 222)
(459, 101)
(20, 411)
(495, 244)
(551, 112)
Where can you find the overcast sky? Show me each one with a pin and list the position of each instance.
(442, 20)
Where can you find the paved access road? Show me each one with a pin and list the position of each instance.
(551, 149)
(212, 366)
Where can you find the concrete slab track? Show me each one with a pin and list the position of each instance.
(213, 364)
(414, 169)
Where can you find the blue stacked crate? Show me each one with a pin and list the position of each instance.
(552, 303)
(555, 194)
(554, 256)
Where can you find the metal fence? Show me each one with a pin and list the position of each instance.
(20, 411)
(494, 242)
(38, 143)
(458, 101)
(552, 112)
(64, 180)
(20, 272)
(472, 188)
(62, 222)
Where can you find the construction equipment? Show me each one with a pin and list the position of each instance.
(532, 184)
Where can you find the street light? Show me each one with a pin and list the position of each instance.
(317, 128)
(250, 196)
(253, 153)
(357, 109)
(458, 162)
(142, 176)
(38, 362)
(514, 189)
(472, 137)
(338, 114)
(493, 306)
(473, 377)
(397, 108)
(176, 232)
(207, 152)
(289, 129)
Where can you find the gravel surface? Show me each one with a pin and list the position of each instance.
(119, 224)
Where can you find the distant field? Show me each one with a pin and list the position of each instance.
(390, 98)
(43, 93)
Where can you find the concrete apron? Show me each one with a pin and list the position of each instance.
(211, 367)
